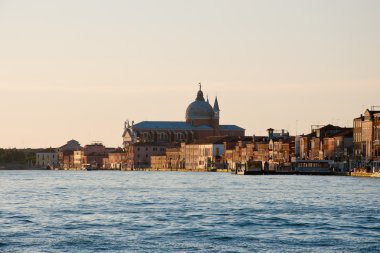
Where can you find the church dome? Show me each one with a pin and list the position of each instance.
(199, 109)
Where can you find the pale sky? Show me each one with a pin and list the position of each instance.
(78, 69)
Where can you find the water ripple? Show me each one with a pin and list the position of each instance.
(65, 211)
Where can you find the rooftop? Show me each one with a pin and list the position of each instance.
(346, 132)
(178, 125)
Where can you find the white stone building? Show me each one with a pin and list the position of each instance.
(47, 158)
(204, 154)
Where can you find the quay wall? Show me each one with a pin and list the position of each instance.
(364, 174)
(167, 169)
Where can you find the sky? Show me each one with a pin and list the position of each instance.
(78, 69)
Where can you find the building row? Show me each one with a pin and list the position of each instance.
(202, 143)
(73, 156)
(277, 149)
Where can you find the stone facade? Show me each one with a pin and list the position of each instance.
(202, 121)
(116, 160)
(139, 154)
(206, 154)
(312, 146)
(338, 147)
(366, 136)
(158, 162)
(66, 159)
(376, 141)
(47, 158)
(94, 154)
(79, 159)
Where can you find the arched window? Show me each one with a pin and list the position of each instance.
(180, 136)
(164, 136)
(146, 136)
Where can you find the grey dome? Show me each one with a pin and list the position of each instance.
(199, 110)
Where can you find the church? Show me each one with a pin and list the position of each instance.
(202, 121)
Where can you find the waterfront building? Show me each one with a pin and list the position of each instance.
(201, 122)
(311, 145)
(79, 158)
(158, 162)
(297, 147)
(237, 151)
(204, 154)
(139, 154)
(116, 159)
(304, 145)
(280, 146)
(366, 135)
(280, 150)
(339, 146)
(327, 143)
(47, 158)
(66, 159)
(94, 154)
(261, 148)
(376, 141)
(274, 150)
(174, 158)
(66, 154)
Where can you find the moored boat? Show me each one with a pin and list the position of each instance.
(313, 167)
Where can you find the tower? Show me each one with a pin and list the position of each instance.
(216, 114)
(216, 109)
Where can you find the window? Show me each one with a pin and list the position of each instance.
(377, 151)
(164, 137)
(180, 136)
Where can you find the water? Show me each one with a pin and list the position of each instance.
(66, 211)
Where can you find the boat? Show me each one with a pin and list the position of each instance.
(249, 168)
(86, 167)
(313, 167)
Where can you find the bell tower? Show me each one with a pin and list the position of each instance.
(216, 114)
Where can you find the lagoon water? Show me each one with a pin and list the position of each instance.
(92, 211)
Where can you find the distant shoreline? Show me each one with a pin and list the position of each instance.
(24, 168)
